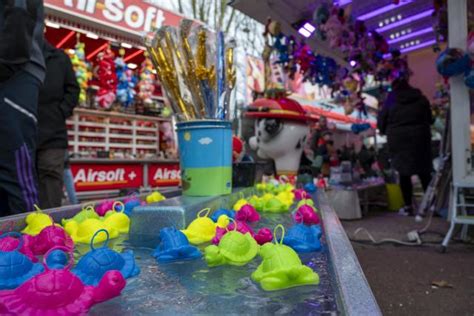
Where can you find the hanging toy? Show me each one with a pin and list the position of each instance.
(96, 263)
(85, 213)
(234, 248)
(59, 292)
(303, 238)
(281, 268)
(452, 62)
(174, 246)
(16, 268)
(81, 69)
(247, 213)
(146, 85)
(202, 229)
(36, 221)
(107, 78)
(125, 81)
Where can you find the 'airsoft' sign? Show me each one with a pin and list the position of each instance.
(92, 177)
(129, 15)
(163, 175)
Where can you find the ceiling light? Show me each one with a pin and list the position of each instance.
(304, 32)
(387, 21)
(92, 35)
(406, 20)
(392, 19)
(309, 27)
(391, 36)
(126, 45)
(383, 9)
(402, 46)
(352, 63)
(132, 66)
(380, 24)
(421, 45)
(399, 17)
(52, 25)
(411, 35)
(417, 42)
(397, 34)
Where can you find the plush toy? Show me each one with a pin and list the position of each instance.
(146, 85)
(126, 81)
(452, 62)
(107, 78)
(81, 69)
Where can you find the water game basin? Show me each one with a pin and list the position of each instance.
(191, 287)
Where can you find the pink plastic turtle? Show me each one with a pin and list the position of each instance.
(104, 207)
(247, 213)
(10, 243)
(300, 194)
(59, 292)
(261, 237)
(306, 214)
(49, 237)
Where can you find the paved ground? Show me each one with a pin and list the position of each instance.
(401, 277)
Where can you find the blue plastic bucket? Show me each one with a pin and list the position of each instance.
(205, 154)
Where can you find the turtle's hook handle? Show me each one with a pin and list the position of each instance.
(64, 249)
(120, 204)
(235, 224)
(96, 234)
(282, 228)
(14, 234)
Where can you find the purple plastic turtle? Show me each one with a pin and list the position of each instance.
(59, 292)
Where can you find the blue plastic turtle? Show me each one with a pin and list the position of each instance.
(92, 267)
(15, 267)
(174, 246)
(303, 238)
(218, 213)
(129, 205)
(57, 259)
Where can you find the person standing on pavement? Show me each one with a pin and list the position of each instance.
(57, 99)
(406, 118)
(22, 71)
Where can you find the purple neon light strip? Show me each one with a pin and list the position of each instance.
(383, 10)
(410, 35)
(342, 3)
(410, 19)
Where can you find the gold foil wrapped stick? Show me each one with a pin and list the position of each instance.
(205, 75)
(230, 77)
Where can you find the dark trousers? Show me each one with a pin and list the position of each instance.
(407, 187)
(18, 135)
(50, 164)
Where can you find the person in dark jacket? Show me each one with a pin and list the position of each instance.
(22, 71)
(406, 119)
(57, 99)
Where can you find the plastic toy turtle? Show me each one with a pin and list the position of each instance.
(305, 202)
(36, 221)
(218, 213)
(300, 194)
(247, 213)
(202, 229)
(274, 205)
(257, 202)
(286, 197)
(59, 292)
(10, 243)
(281, 267)
(234, 248)
(310, 187)
(92, 267)
(174, 246)
(15, 267)
(241, 202)
(155, 197)
(83, 232)
(85, 213)
(118, 220)
(49, 237)
(306, 214)
(240, 226)
(263, 236)
(303, 238)
(104, 207)
(129, 204)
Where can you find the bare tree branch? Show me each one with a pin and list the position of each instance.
(193, 4)
(229, 23)
(180, 7)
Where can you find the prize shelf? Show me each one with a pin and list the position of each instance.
(90, 131)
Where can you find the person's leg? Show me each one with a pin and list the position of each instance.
(407, 192)
(50, 175)
(425, 179)
(18, 134)
(69, 183)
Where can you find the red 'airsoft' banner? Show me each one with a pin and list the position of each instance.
(96, 177)
(164, 175)
(133, 16)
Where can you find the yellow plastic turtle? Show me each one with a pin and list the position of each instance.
(202, 229)
(83, 232)
(36, 221)
(117, 220)
(155, 197)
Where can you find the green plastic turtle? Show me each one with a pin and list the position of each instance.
(84, 214)
(274, 205)
(281, 267)
(309, 202)
(234, 248)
